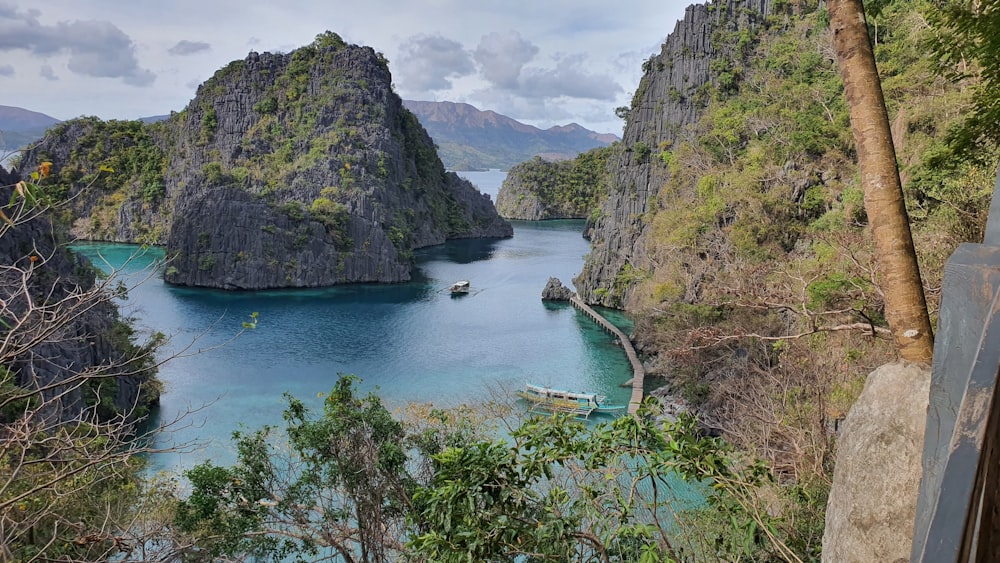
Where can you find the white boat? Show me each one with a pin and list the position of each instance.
(461, 286)
(575, 403)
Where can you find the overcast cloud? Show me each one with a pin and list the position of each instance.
(430, 62)
(571, 78)
(185, 47)
(48, 73)
(95, 48)
(545, 63)
(502, 56)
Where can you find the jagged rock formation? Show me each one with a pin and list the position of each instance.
(556, 291)
(670, 96)
(537, 189)
(471, 139)
(285, 170)
(77, 335)
(519, 198)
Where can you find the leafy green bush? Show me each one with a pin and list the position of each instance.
(215, 174)
(334, 216)
(296, 210)
(267, 105)
(209, 123)
(206, 262)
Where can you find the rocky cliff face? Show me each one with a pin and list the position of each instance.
(518, 199)
(112, 173)
(524, 190)
(286, 170)
(76, 334)
(568, 189)
(671, 95)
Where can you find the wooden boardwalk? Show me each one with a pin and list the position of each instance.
(638, 372)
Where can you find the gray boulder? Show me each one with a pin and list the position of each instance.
(873, 500)
(556, 291)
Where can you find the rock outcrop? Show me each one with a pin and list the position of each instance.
(537, 189)
(556, 291)
(519, 199)
(873, 500)
(77, 334)
(669, 97)
(285, 170)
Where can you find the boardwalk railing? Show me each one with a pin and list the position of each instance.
(638, 372)
(958, 510)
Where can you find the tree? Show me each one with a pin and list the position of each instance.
(565, 491)
(73, 386)
(336, 485)
(966, 47)
(905, 305)
(352, 484)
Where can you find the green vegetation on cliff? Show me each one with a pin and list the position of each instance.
(325, 176)
(564, 189)
(102, 165)
(739, 238)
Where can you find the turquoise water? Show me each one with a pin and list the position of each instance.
(408, 342)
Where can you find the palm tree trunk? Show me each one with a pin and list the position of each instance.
(905, 306)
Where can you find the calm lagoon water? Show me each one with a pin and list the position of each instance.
(407, 342)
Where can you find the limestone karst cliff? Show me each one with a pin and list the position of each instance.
(672, 94)
(286, 170)
(567, 189)
(55, 327)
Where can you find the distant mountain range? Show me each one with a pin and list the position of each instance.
(472, 139)
(467, 138)
(19, 126)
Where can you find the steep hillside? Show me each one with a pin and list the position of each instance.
(737, 149)
(735, 230)
(19, 126)
(55, 327)
(286, 170)
(471, 139)
(672, 96)
(20, 119)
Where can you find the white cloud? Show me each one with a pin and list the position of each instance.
(95, 48)
(569, 78)
(6, 70)
(501, 56)
(430, 62)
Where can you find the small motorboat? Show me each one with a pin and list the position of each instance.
(460, 287)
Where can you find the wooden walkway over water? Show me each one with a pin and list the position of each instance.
(638, 372)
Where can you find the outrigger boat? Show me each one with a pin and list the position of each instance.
(547, 399)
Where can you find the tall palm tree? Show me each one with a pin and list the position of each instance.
(905, 306)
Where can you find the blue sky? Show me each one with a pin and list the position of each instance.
(544, 62)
